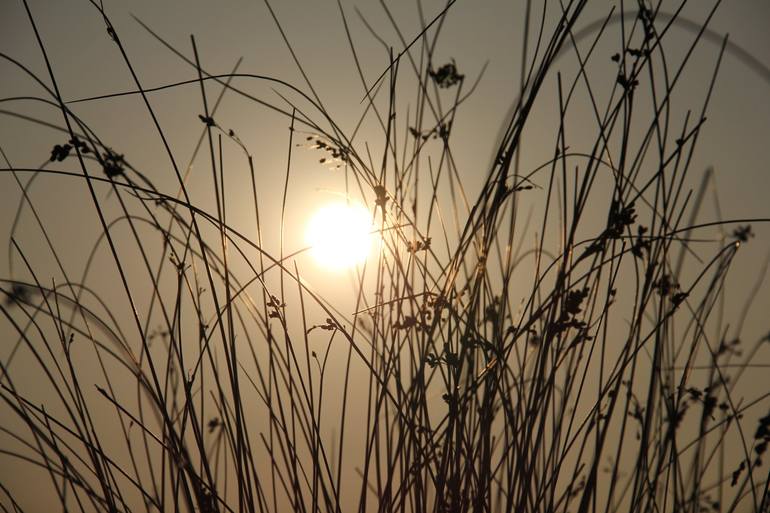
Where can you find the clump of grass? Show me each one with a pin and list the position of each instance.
(493, 361)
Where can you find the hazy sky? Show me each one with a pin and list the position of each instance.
(86, 63)
(735, 139)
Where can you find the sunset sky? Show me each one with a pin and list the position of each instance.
(86, 64)
(479, 36)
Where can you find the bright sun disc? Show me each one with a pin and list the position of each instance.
(340, 235)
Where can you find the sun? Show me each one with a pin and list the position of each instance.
(340, 235)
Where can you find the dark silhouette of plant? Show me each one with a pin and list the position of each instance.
(490, 363)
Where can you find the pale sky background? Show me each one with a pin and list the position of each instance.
(86, 64)
(735, 139)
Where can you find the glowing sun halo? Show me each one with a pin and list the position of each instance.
(339, 235)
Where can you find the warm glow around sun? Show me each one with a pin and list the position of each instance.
(339, 235)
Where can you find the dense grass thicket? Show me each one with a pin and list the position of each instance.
(547, 338)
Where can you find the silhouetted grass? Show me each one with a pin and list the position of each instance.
(226, 382)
